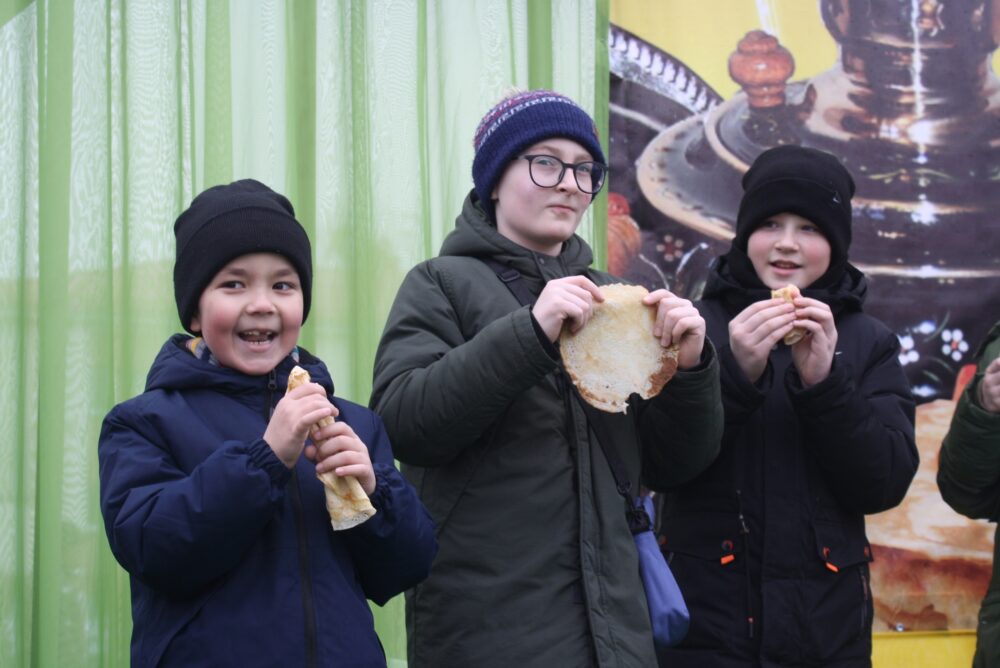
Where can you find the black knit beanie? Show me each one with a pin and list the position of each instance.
(803, 181)
(225, 222)
(519, 121)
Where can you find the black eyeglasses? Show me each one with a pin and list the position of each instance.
(547, 171)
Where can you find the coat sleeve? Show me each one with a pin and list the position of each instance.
(740, 397)
(178, 532)
(861, 433)
(394, 549)
(439, 388)
(681, 429)
(969, 467)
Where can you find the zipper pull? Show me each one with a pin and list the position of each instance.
(272, 386)
(744, 529)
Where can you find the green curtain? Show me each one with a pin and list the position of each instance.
(113, 115)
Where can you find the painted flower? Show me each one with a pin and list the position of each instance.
(907, 353)
(955, 346)
(924, 391)
(672, 249)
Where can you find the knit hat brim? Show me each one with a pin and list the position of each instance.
(814, 202)
(519, 122)
(226, 222)
(804, 181)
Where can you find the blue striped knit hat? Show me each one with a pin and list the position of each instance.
(517, 122)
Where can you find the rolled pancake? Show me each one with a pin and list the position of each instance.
(346, 501)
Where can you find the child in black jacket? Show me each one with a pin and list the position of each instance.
(768, 545)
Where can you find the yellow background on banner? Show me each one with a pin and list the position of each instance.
(694, 31)
(702, 34)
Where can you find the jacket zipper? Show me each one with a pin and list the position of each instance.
(745, 533)
(864, 595)
(308, 607)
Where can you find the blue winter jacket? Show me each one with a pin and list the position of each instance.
(231, 555)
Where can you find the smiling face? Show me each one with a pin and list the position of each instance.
(788, 248)
(250, 313)
(541, 219)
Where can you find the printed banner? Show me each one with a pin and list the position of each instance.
(904, 93)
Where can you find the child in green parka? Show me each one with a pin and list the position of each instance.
(969, 477)
(537, 566)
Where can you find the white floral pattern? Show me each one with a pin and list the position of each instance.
(955, 346)
(908, 353)
(671, 247)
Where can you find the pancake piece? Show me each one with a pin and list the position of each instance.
(346, 501)
(789, 293)
(616, 355)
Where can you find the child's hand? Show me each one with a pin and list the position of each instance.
(337, 448)
(989, 387)
(293, 417)
(754, 332)
(678, 322)
(569, 299)
(813, 355)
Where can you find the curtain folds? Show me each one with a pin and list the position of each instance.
(113, 115)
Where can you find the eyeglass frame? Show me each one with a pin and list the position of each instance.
(562, 171)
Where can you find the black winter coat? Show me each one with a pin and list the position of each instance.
(768, 545)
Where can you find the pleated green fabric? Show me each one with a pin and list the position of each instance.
(113, 115)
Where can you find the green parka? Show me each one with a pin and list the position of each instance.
(969, 479)
(536, 565)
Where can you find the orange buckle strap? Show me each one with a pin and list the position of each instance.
(826, 555)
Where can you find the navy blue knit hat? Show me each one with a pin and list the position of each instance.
(225, 222)
(517, 122)
(803, 181)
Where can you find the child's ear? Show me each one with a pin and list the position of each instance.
(195, 323)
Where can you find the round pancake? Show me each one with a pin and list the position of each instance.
(616, 354)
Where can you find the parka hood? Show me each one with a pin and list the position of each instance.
(175, 368)
(847, 294)
(475, 236)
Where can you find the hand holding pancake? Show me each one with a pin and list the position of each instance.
(813, 355)
(293, 417)
(678, 323)
(755, 331)
(346, 501)
(565, 300)
(337, 449)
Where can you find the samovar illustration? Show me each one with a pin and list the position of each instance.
(913, 109)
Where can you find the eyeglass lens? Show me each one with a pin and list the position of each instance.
(547, 171)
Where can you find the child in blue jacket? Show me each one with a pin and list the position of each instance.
(207, 500)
